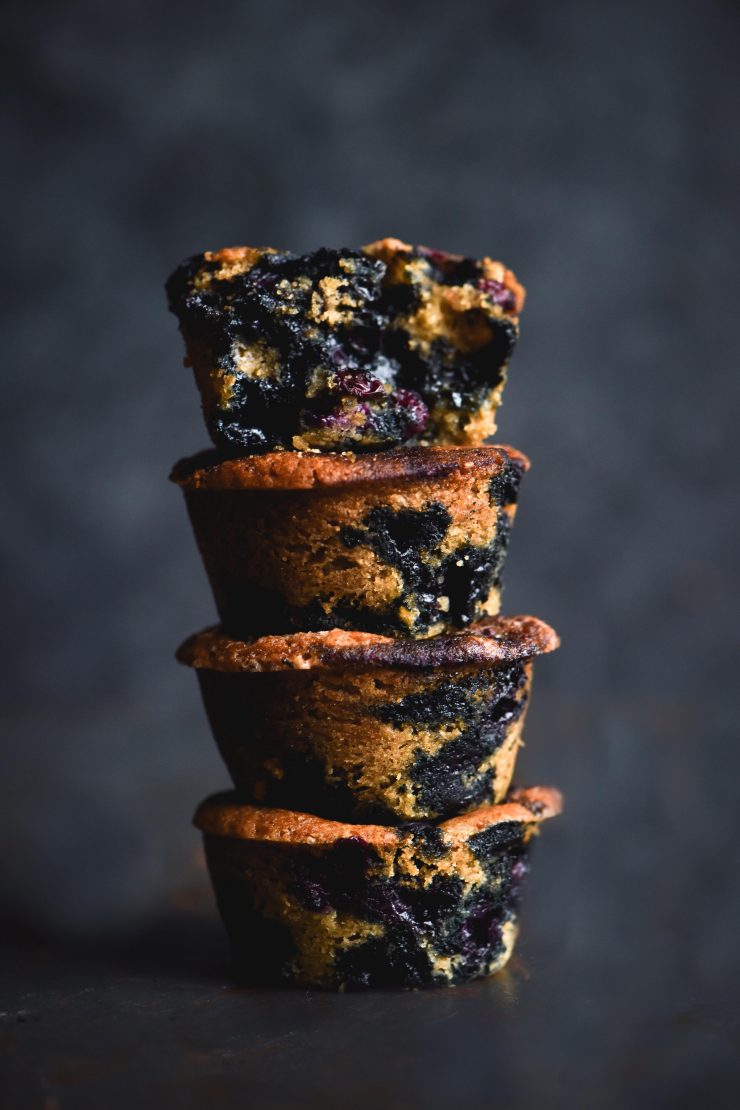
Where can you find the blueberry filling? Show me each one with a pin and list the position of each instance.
(489, 844)
(335, 879)
(400, 536)
(503, 489)
(480, 932)
(419, 922)
(498, 293)
(465, 577)
(451, 699)
(453, 777)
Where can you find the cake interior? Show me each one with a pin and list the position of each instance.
(336, 349)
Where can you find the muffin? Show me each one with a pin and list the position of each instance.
(409, 542)
(319, 903)
(360, 727)
(346, 349)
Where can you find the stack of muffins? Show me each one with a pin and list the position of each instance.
(365, 695)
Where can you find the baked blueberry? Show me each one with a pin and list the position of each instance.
(409, 542)
(318, 903)
(346, 349)
(361, 727)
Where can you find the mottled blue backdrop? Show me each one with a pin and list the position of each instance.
(594, 148)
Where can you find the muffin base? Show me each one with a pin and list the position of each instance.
(316, 903)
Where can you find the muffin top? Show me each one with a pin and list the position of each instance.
(223, 815)
(284, 470)
(346, 349)
(490, 642)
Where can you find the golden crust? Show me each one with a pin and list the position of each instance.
(491, 641)
(388, 250)
(286, 470)
(384, 249)
(222, 815)
(230, 261)
(538, 802)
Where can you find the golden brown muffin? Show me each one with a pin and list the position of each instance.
(346, 349)
(318, 903)
(363, 727)
(409, 542)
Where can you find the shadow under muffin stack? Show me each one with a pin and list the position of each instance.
(363, 690)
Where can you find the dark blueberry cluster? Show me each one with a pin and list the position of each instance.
(452, 779)
(441, 919)
(334, 879)
(465, 576)
(498, 293)
(503, 489)
(328, 350)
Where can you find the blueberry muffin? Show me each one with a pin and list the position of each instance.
(346, 349)
(318, 903)
(409, 542)
(361, 727)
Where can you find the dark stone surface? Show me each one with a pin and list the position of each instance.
(593, 147)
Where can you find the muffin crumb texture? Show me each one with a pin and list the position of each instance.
(346, 349)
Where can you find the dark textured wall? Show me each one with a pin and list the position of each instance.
(594, 148)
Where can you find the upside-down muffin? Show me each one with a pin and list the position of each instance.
(361, 727)
(346, 349)
(317, 903)
(409, 542)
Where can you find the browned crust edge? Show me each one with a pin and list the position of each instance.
(284, 470)
(222, 815)
(490, 642)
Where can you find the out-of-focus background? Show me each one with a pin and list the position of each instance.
(594, 148)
